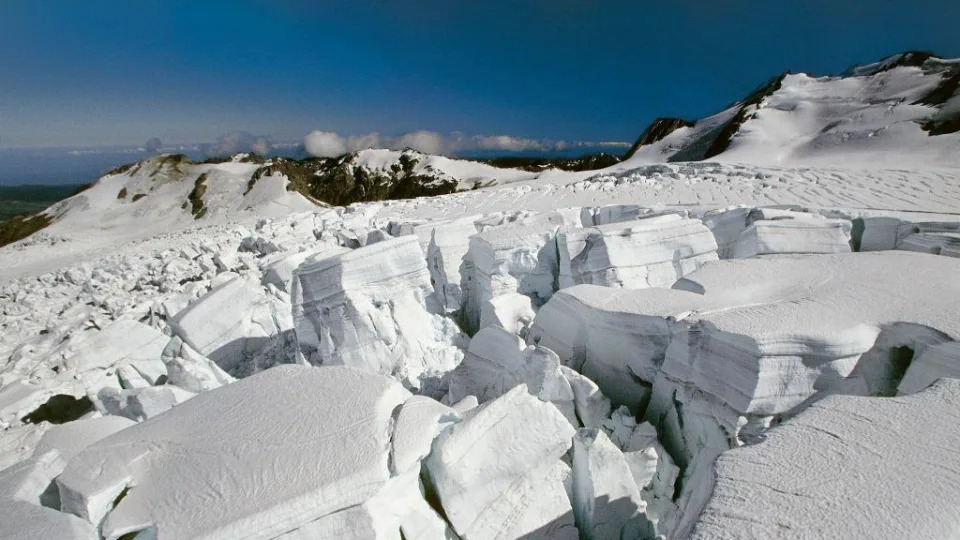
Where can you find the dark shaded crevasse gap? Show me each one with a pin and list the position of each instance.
(900, 360)
(60, 409)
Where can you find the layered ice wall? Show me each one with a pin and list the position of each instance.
(652, 252)
(744, 232)
(737, 345)
(510, 259)
(373, 308)
(885, 233)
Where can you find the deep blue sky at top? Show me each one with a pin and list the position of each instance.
(102, 72)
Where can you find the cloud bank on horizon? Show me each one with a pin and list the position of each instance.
(320, 143)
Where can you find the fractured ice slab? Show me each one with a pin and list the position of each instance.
(780, 236)
(744, 325)
(606, 500)
(140, 403)
(943, 243)
(276, 451)
(24, 518)
(232, 322)
(510, 259)
(512, 312)
(738, 343)
(190, 370)
(652, 252)
(498, 361)
(373, 308)
(592, 407)
(280, 271)
(122, 343)
(28, 505)
(449, 243)
(936, 237)
(846, 467)
(743, 232)
(498, 472)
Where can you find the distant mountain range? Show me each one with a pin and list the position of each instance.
(902, 111)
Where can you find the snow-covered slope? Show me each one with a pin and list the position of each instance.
(904, 109)
(666, 350)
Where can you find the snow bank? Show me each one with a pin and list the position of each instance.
(373, 308)
(846, 467)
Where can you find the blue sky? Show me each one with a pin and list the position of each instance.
(86, 73)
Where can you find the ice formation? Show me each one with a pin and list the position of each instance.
(233, 322)
(621, 381)
(373, 308)
(498, 361)
(511, 259)
(653, 252)
(323, 435)
(498, 473)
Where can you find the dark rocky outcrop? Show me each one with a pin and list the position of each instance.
(746, 112)
(341, 181)
(656, 131)
(196, 197)
(20, 227)
(588, 162)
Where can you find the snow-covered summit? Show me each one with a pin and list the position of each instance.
(903, 109)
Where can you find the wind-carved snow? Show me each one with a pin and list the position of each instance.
(846, 467)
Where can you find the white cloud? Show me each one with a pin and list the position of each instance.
(329, 144)
(152, 145)
(428, 142)
(236, 142)
(324, 144)
(362, 142)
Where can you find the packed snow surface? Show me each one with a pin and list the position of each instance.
(847, 467)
